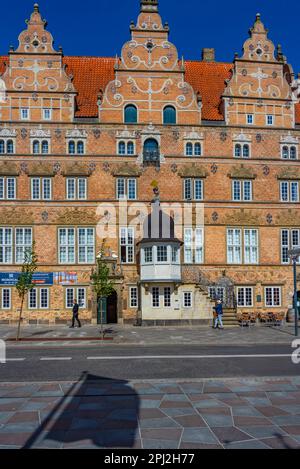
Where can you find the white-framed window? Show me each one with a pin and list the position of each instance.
(273, 297)
(148, 255)
(126, 188)
(236, 238)
(217, 293)
(234, 246)
(155, 297)
(44, 298)
(193, 246)
(23, 240)
(47, 114)
(6, 298)
(162, 254)
(270, 119)
(6, 246)
(175, 255)
(38, 298)
(33, 299)
(187, 299)
(290, 239)
(242, 150)
(167, 297)
(289, 152)
(289, 191)
(24, 114)
(79, 294)
(127, 245)
(41, 147)
(250, 119)
(245, 297)
(133, 297)
(126, 148)
(8, 188)
(193, 189)
(242, 190)
(76, 188)
(7, 146)
(86, 245)
(76, 147)
(41, 188)
(66, 243)
(193, 149)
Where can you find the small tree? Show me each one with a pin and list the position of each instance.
(101, 285)
(24, 284)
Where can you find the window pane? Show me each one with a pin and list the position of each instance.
(82, 184)
(11, 188)
(169, 115)
(198, 189)
(130, 114)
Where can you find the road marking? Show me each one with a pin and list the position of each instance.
(15, 359)
(48, 359)
(191, 357)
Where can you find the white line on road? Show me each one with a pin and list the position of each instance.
(15, 359)
(192, 357)
(49, 359)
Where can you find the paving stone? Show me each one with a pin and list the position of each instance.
(160, 444)
(291, 429)
(159, 423)
(161, 433)
(20, 417)
(281, 442)
(248, 421)
(245, 411)
(228, 435)
(190, 421)
(150, 414)
(199, 446)
(263, 432)
(271, 411)
(198, 435)
(178, 412)
(254, 444)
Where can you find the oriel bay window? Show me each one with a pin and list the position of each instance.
(242, 246)
(126, 188)
(8, 188)
(80, 240)
(127, 245)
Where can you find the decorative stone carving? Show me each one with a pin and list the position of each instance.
(269, 218)
(289, 172)
(76, 133)
(41, 168)
(96, 133)
(77, 216)
(8, 132)
(24, 133)
(14, 216)
(223, 136)
(193, 135)
(126, 135)
(24, 167)
(259, 138)
(192, 170)
(58, 133)
(242, 172)
(56, 168)
(106, 167)
(126, 170)
(40, 133)
(241, 217)
(242, 138)
(215, 217)
(214, 168)
(266, 170)
(76, 169)
(288, 218)
(174, 168)
(8, 168)
(92, 168)
(45, 216)
(289, 140)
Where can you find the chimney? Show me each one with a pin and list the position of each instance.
(208, 54)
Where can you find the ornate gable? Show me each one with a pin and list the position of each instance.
(258, 85)
(36, 77)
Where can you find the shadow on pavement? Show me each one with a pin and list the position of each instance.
(94, 412)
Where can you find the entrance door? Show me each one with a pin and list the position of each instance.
(112, 309)
(102, 311)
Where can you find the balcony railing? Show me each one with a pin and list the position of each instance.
(151, 157)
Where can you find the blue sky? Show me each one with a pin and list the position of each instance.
(100, 27)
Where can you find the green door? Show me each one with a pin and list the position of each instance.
(102, 311)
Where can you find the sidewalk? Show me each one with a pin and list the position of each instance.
(199, 414)
(129, 335)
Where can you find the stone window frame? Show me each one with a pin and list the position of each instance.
(268, 116)
(194, 245)
(289, 192)
(244, 289)
(193, 181)
(137, 114)
(41, 188)
(9, 289)
(28, 114)
(38, 298)
(242, 182)
(242, 245)
(285, 247)
(76, 245)
(75, 295)
(77, 180)
(252, 119)
(126, 143)
(131, 289)
(126, 180)
(44, 109)
(191, 299)
(289, 147)
(242, 146)
(127, 245)
(76, 142)
(5, 184)
(194, 154)
(6, 141)
(40, 140)
(273, 288)
(169, 107)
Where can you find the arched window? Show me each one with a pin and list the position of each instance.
(246, 151)
(80, 147)
(293, 153)
(71, 147)
(2, 147)
(285, 152)
(122, 148)
(189, 149)
(130, 148)
(170, 115)
(238, 150)
(36, 147)
(10, 147)
(197, 149)
(45, 147)
(151, 150)
(130, 114)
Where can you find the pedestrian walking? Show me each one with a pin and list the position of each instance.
(219, 315)
(75, 315)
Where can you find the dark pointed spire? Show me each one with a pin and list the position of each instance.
(149, 5)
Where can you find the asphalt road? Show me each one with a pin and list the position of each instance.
(138, 362)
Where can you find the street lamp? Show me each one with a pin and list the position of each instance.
(294, 254)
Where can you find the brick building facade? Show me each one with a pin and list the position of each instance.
(85, 140)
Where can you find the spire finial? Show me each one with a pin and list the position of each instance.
(36, 8)
(258, 17)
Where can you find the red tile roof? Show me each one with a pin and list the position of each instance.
(91, 74)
